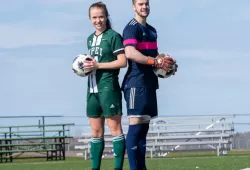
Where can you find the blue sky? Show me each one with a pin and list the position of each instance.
(210, 40)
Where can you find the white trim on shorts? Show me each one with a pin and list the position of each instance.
(145, 117)
(132, 98)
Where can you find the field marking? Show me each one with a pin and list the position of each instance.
(68, 161)
(201, 157)
(36, 163)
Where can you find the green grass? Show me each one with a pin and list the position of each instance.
(181, 163)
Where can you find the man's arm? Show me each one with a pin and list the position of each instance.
(160, 61)
(133, 54)
(130, 35)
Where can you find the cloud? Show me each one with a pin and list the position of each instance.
(243, 13)
(44, 27)
(214, 63)
(62, 2)
(45, 36)
(12, 5)
(18, 35)
(57, 22)
(41, 24)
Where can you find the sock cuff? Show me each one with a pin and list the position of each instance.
(96, 140)
(118, 138)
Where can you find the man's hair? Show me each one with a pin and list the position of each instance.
(103, 6)
(133, 1)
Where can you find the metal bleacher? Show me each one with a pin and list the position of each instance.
(47, 140)
(174, 134)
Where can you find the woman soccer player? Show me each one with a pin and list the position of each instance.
(104, 98)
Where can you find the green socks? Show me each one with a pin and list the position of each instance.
(96, 150)
(119, 151)
(97, 147)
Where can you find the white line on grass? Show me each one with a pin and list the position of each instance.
(37, 163)
(61, 162)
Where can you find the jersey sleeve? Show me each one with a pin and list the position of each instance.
(116, 44)
(130, 36)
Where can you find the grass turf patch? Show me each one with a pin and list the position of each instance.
(183, 163)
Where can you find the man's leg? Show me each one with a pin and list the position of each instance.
(152, 111)
(138, 108)
(141, 153)
(132, 142)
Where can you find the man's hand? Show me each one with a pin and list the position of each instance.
(175, 68)
(163, 61)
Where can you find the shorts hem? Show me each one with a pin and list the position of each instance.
(143, 116)
(112, 115)
(104, 116)
(94, 116)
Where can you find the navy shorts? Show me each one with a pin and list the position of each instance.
(141, 102)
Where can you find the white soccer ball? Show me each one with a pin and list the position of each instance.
(162, 73)
(78, 65)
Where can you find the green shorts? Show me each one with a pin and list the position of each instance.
(104, 104)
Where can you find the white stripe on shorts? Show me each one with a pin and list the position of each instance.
(132, 98)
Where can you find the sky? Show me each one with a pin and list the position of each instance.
(209, 39)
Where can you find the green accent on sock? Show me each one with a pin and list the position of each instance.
(96, 140)
(119, 151)
(96, 151)
(118, 138)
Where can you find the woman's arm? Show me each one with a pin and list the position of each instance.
(116, 64)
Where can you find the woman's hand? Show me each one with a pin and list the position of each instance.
(91, 65)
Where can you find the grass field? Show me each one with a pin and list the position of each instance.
(182, 163)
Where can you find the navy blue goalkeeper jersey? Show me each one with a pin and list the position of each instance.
(144, 39)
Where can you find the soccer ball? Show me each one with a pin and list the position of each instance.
(162, 73)
(78, 65)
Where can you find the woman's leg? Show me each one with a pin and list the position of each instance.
(114, 123)
(97, 142)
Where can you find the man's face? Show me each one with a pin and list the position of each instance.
(141, 8)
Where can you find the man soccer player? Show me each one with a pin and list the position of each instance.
(140, 82)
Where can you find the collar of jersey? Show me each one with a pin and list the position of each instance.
(102, 32)
(141, 24)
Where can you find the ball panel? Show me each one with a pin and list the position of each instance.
(162, 73)
(78, 65)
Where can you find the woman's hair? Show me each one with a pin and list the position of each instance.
(103, 6)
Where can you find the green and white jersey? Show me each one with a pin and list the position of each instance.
(104, 48)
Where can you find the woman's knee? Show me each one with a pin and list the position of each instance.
(97, 132)
(116, 130)
(114, 124)
(97, 127)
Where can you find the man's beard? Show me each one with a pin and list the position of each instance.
(140, 14)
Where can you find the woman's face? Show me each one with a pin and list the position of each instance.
(98, 18)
